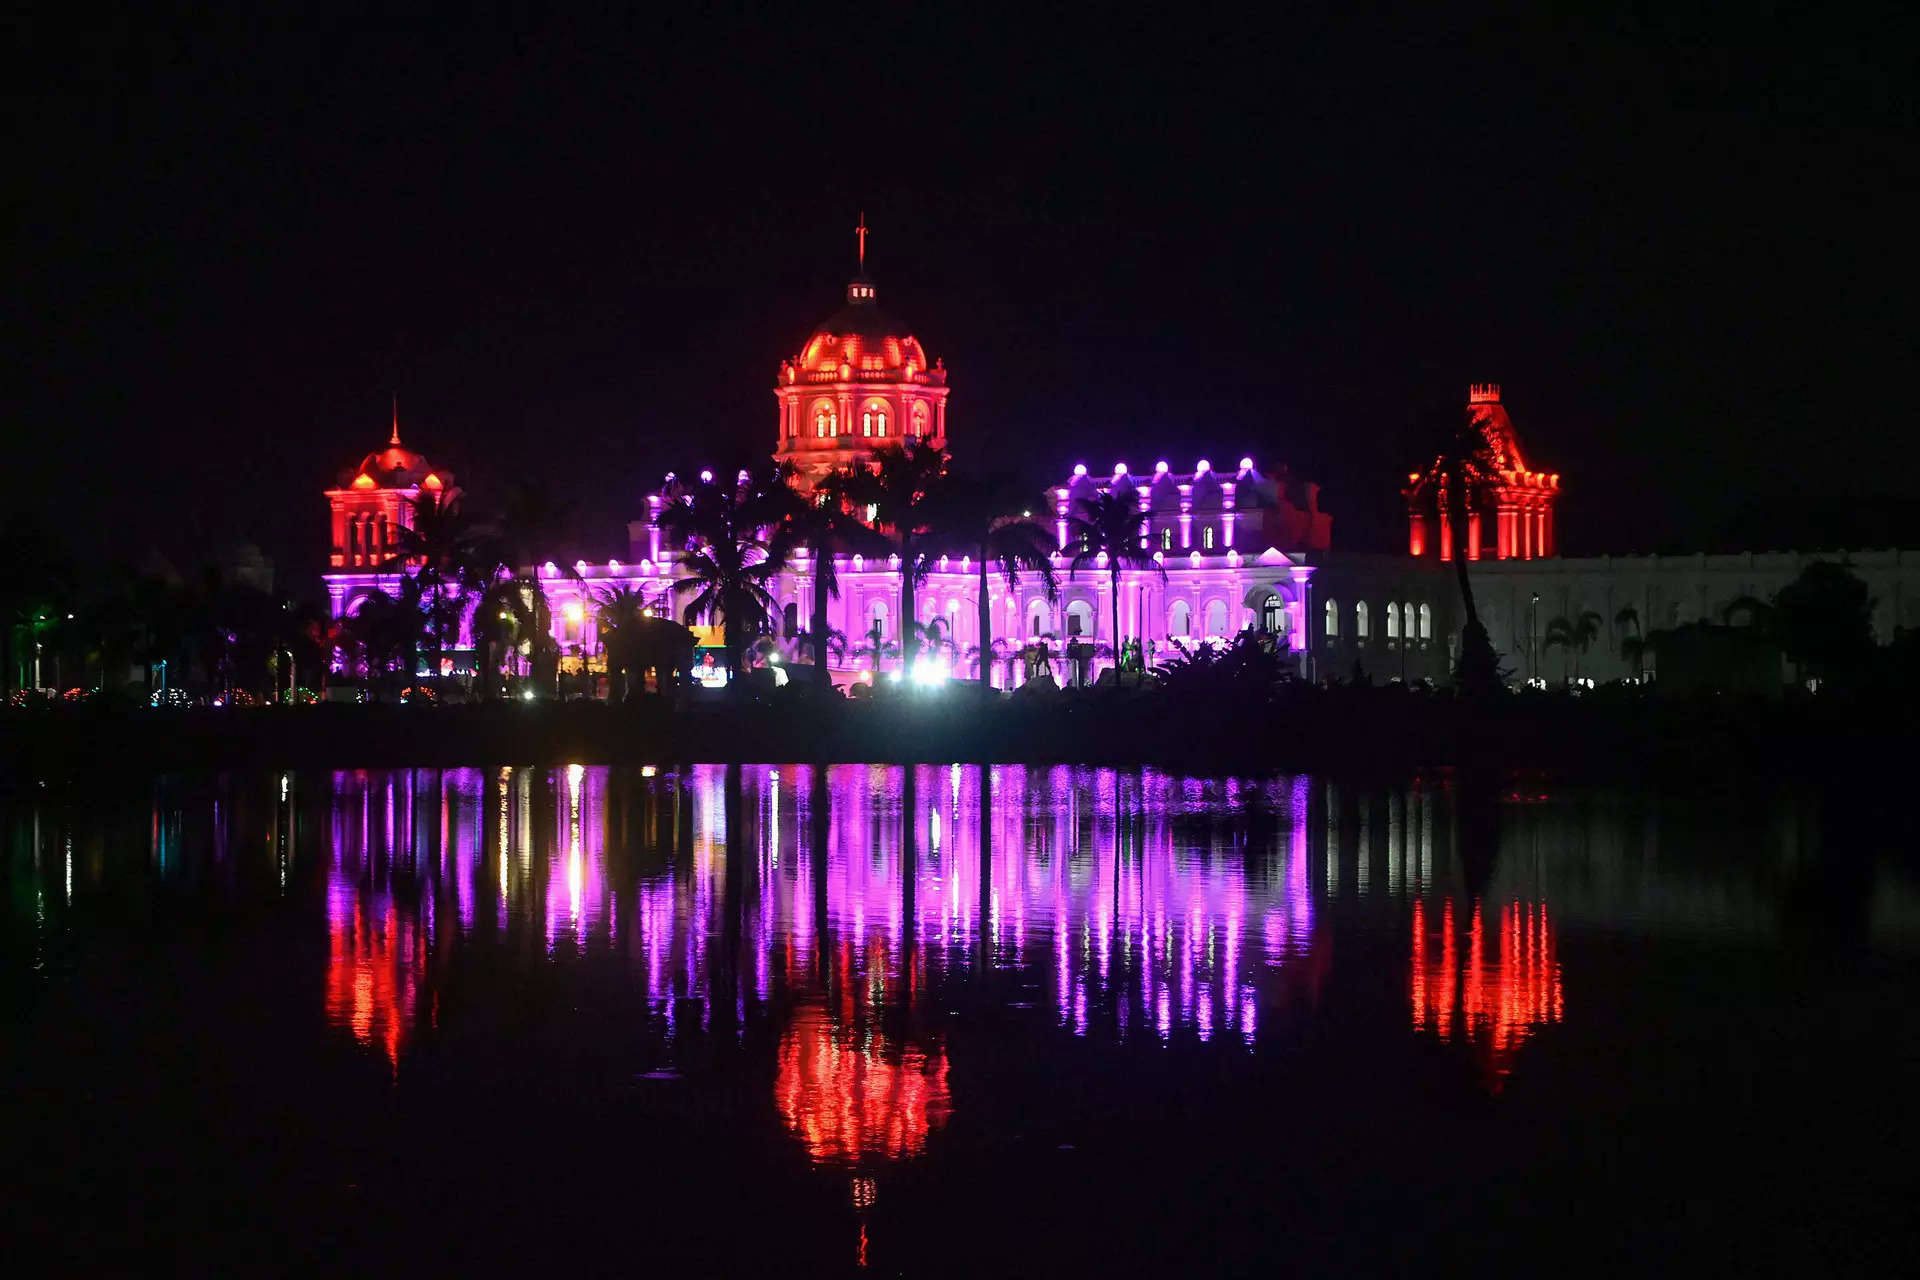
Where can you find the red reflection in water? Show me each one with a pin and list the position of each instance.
(1493, 1002)
(850, 1095)
(374, 957)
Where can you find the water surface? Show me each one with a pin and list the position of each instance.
(953, 1020)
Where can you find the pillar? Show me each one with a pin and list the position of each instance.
(1446, 535)
(1416, 534)
(1473, 535)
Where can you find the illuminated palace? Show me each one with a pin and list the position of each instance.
(1242, 547)
(1231, 539)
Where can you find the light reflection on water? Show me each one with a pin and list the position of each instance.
(854, 910)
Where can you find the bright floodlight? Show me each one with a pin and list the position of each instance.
(1246, 464)
(1079, 468)
(1203, 465)
(706, 477)
(574, 612)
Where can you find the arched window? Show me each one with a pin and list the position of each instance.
(1393, 621)
(866, 423)
(1273, 616)
(1216, 617)
(1180, 619)
(1331, 627)
(877, 618)
(1037, 618)
(790, 621)
(1426, 622)
(1080, 620)
(1166, 539)
(1407, 627)
(823, 424)
(919, 419)
(1206, 538)
(1360, 620)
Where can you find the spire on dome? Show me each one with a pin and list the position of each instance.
(860, 289)
(395, 438)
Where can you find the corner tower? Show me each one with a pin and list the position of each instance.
(374, 501)
(1511, 506)
(862, 382)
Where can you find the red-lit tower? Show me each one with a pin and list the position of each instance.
(375, 499)
(861, 383)
(1512, 510)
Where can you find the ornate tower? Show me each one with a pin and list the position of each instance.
(861, 383)
(375, 499)
(1509, 515)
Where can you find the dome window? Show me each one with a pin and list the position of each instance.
(823, 424)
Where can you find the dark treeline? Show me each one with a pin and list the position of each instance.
(1383, 731)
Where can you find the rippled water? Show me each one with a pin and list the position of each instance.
(954, 1019)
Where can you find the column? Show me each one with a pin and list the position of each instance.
(1473, 535)
(1446, 535)
(1416, 534)
(1227, 514)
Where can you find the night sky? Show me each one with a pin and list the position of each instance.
(577, 253)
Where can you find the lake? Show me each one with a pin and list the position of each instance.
(956, 1020)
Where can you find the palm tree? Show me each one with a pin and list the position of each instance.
(35, 585)
(1576, 635)
(835, 643)
(615, 608)
(974, 512)
(1464, 466)
(1633, 647)
(505, 614)
(876, 647)
(904, 489)
(729, 561)
(823, 523)
(1112, 527)
(384, 627)
(453, 556)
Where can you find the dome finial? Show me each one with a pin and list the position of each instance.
(395, 440)
(860, 232)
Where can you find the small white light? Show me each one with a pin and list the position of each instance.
(1160, 468)
(1246, 464)
(1079, 468)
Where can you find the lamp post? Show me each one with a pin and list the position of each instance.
(1533, 637)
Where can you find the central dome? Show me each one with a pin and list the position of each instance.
(862, 339)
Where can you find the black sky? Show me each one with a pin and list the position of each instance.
(1684, 244)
